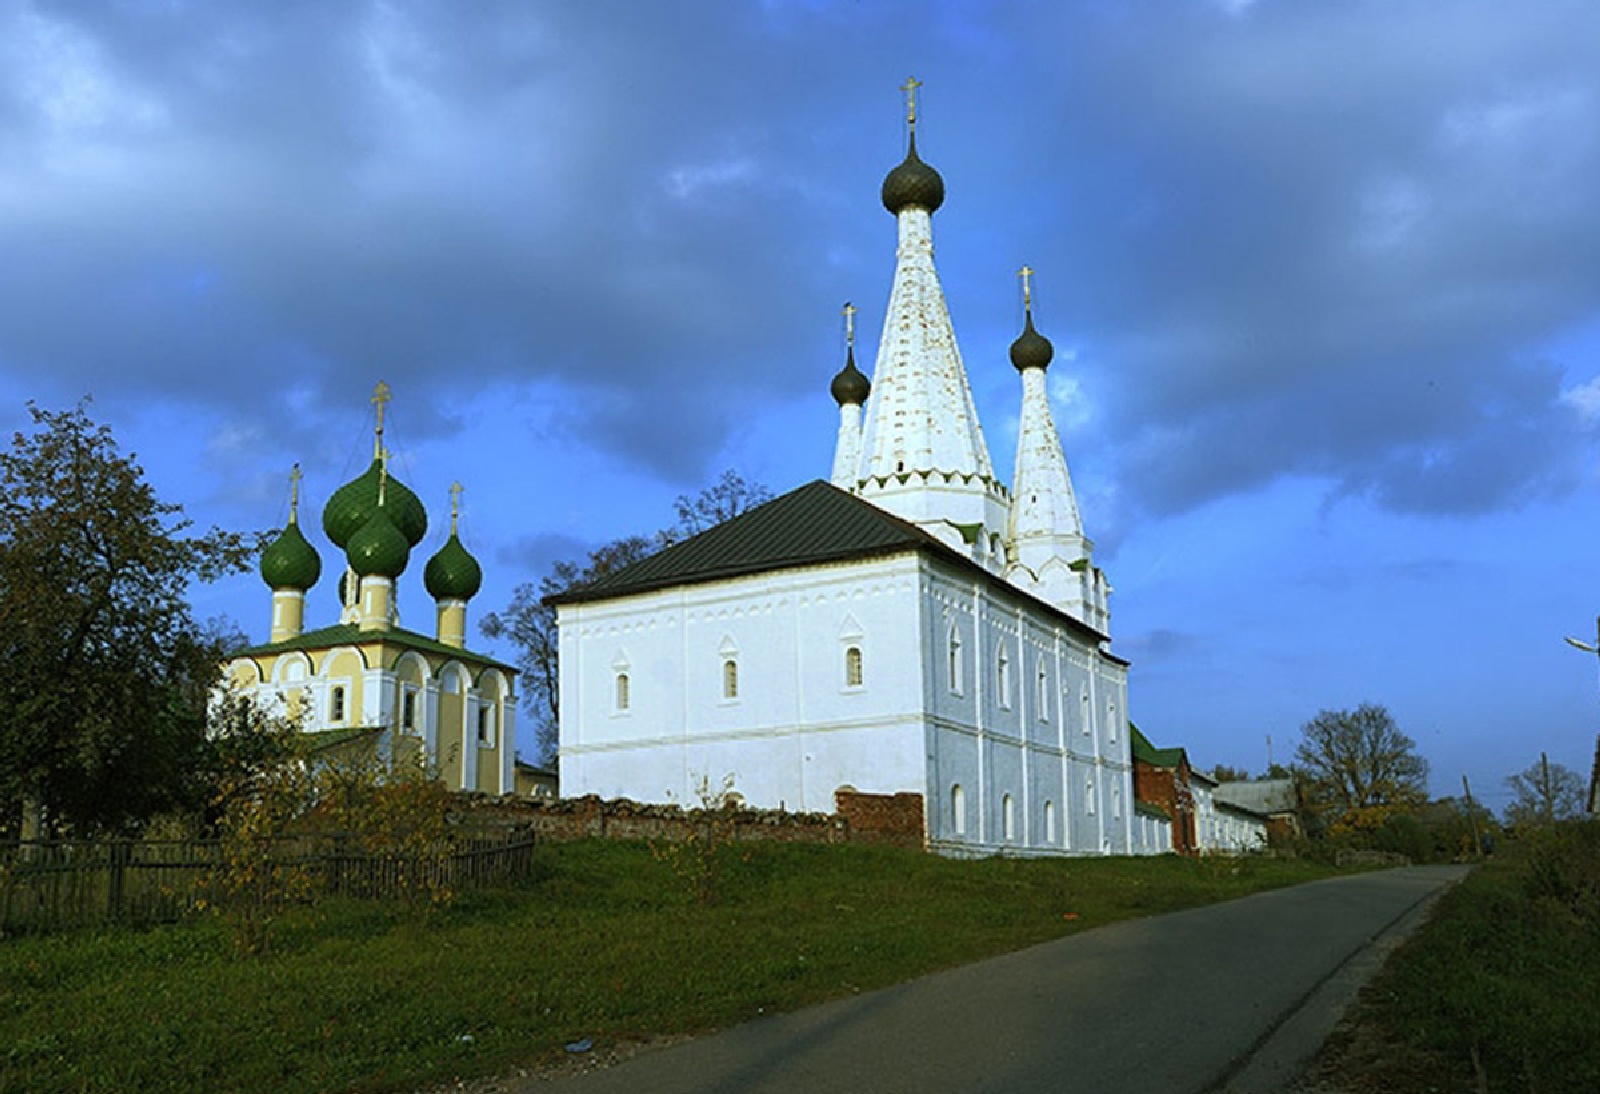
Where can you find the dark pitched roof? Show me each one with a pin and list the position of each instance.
(812, 524)
(1150, 754)
(350, 634)
(815, 523)
(1259, 796)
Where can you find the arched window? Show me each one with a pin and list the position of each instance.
(1116, 802)
(1008, 816)
(336, 706)
(1049, 822)
(852, 667)
(1111, 720)
(1043, 693)
(1003, 677)
(623, 697)
(730, 678)
(408, 709)
(1088, 796)
(486, 726)
(1083, 697)
(956, 668)
(958, 809)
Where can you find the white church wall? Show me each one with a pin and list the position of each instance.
(786, 722)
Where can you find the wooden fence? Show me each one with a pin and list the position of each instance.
(47, 885)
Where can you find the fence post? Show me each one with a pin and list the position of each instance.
(121, 851)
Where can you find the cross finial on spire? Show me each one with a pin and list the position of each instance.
(1026, 273)
(849, 324)
(455, 505)
(294, 493)
(380, 399)
(910, 88)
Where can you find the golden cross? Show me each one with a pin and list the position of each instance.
(455, 505)
(849, 324)
(294, 493)
(1026, 273)
(910, 88)
(380, 398)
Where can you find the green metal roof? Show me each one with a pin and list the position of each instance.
(813, 524)
(349, 634)
(1150, 754)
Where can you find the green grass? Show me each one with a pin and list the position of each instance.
(1500, 990)
(605, 942)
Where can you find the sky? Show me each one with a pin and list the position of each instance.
(1323, 278)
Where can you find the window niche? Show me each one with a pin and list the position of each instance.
(336, 705)
(729, 654)
(853, 677)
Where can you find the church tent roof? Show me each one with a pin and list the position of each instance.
(810, 525)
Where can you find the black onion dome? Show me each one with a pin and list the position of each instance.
(290, 562)
(452, 573)
(1031, 349)
(913, 183)
(352, 505)
(378, 547)
(850, 386)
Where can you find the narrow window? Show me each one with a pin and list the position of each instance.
(336, 706)
(408, 709)
(958, 809)
(623, 697)
(955, 661)
(1088, 796)
(1111, 720)
(1116, 802)
(486, 726)
(1009, 815)
(852, 667)
(1049, 822)
(1004, 678)
(1083, 697)
(730, 679)
(1043, 697)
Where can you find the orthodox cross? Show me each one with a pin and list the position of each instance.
(849, 324)
(380, 398)
(910, 88)
(1026, 273)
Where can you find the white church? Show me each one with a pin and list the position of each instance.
(912, 626)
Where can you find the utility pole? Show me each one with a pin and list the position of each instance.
(1472, 815)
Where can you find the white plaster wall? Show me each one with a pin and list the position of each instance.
(794, 732)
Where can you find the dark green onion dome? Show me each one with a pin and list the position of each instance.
(353, 503)
(378, 548)
(452, 573)
(1031, 349)
(913, 183)
(290, 562)
(850, 386)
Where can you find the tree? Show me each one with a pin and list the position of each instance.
(104, 674)
(1543, 794)
(1222, 773)
(1359, 766)
(529, 621)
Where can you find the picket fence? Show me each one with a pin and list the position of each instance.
(49, 885)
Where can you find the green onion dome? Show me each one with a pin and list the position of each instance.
(913, 183)
(452, 573)
(290, 562)
(850, 386)
(352, 505)
(1031, 349)
(378, 548)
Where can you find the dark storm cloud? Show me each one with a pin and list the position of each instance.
(1288, 237)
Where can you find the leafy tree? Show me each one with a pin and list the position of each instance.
(1543, 794)
(1359, 766)
(104, 674)
(529, 621)
(1225, 774)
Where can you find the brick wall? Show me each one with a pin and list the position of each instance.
(861, 818)
(1168, 788)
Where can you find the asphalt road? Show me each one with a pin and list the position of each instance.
(1229, 997)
